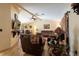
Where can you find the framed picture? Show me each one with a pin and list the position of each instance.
(46, 26)
(15, 16)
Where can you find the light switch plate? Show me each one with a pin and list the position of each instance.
(0, 30)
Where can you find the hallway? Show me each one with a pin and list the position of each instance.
(43, 24)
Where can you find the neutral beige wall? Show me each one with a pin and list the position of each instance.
(39, 24)
(74, 32)
(6, 39)
(5, 25)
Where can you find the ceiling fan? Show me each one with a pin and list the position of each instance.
(34, 16)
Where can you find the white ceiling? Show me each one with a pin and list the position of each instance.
(49, 11)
